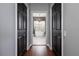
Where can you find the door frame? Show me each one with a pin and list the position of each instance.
(32, 24)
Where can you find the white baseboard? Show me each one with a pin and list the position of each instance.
(49, 46)
(29, 46)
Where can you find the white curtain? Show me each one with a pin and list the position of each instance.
(39, 28)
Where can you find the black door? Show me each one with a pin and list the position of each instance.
(21, 28)
(56, 28)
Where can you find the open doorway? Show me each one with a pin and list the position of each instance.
(39, 29)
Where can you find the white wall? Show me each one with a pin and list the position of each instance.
(71, 26)
(40, 7)
(7, 29)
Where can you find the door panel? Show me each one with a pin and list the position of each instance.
(21, 28)
(56, 28)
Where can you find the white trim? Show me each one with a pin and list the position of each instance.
(39, 11)
(62, 28)
(29, 46)
(27, 5)
(51, 24)
(51, 5)
(49, 46)
(15, 29)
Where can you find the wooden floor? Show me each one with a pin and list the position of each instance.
(39, 51)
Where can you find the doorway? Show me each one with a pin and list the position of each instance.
(39, 29)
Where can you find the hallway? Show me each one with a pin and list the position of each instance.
(39, 51)
(59, 34)
(39, 29)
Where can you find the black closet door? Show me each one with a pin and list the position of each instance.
(21, 28)
(56, 28)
